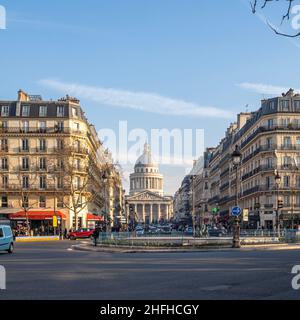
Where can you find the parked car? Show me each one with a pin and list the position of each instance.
(140, 231)
(189, 231)
(165, 230)
(6, 239)
(81, 234)
(153, 230)
(215, 232)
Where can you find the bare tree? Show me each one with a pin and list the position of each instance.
(262, 4)
(81, 179)
(25, 186)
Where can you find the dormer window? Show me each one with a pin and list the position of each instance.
(5, 111)
(297, 105)
(285, 104)
(43, 111)
(25, 111)
(60, 111)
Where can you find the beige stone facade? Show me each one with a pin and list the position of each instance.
(269, 140)
(34, 137)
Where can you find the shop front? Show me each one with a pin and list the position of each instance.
(290, 220)
(40, 223)
(94, 221)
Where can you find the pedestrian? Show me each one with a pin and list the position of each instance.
(96, 234)
(65, 233)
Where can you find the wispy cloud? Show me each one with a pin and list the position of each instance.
(143, 101)
(37, 23)
(264, 88)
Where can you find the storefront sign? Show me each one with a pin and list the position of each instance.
(54, 222)
(246, 215)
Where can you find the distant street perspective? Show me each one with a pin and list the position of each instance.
(149, 150)
(51, 271)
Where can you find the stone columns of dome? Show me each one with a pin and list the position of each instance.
(159, 212)
(144, 213)
(151, 213)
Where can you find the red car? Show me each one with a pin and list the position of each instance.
(81, 234)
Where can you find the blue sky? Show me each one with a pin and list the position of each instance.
(194, 53)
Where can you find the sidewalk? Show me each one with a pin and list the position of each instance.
(266, 247)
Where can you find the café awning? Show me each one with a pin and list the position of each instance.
(93, 217)
(37, 215)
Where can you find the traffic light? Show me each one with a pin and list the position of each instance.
(280, 204)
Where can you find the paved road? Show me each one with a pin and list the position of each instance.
(51, 271)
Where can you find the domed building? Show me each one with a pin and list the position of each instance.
(146, 197)
(146, 176)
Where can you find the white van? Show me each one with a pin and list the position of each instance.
(6, 239)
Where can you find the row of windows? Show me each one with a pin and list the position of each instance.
(42, 182)
(286, 144)
(271, 201)
(42, 144)
(42, 164)
(43, 111)
(42, 201)
(286, 162)
(272, 123)
(41, 125)
(285, 104)
(270, 183)
(146, 170)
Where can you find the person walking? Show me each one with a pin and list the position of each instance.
(65, 233)
(96, 234)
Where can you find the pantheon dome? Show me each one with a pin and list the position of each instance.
(146, 176)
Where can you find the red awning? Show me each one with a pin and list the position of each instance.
(36, 215)
(92, 217)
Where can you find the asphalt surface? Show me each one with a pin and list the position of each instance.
(51, 271)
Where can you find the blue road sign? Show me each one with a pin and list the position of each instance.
(236, 211)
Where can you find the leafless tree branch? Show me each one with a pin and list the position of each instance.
(286, 16)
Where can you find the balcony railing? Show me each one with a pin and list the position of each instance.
(272, 188)
(4, 149)
(224, 173)
(224, 186)
(48, 130)
(275, 127)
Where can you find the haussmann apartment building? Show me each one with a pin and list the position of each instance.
(269, 141)
(38, 177)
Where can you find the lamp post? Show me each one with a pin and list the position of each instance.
(193, 205)
(236, 160)
(277, 182)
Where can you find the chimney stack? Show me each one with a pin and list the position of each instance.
(22, 96)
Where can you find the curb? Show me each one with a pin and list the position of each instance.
(134, 250)
(43, 239)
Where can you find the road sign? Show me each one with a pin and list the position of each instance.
(246, 215)
(236, 211)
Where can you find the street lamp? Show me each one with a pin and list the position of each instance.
(193, 177)
(277, 181)
(236, 160)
